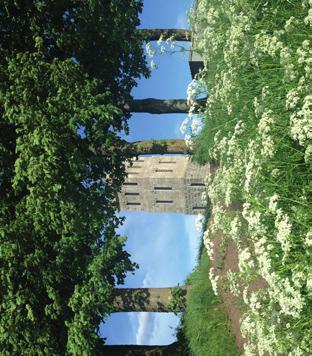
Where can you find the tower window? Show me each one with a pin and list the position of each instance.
(167, 162)
(133, 203)
(162, 188)
(198, 207)
(164, 201)
(130, 183)
(131, 193)
(197, 184)
(163, 170)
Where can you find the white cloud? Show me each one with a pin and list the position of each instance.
(164, 327)
(193, 237)
(182, 21)
(147, 281)
(156, 328)
(145, 327)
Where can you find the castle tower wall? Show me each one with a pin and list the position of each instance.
(163, 184)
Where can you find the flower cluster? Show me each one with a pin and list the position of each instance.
(163, 46)
(192, 124)
(214, 278)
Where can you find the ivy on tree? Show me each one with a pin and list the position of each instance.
(64, 66)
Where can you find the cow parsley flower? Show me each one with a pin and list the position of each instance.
(292, 99)
(283, 226)
(150, 50)
(298, 279)
(301, 122)
(199, 221)
(184, 125)
(264, 128)
(308, 239)
(291, 23)
(214, 281)
(208, 244)
(245, 262)
(308, 19)
(273, 202)
(153, 64)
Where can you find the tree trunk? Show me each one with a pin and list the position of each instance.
(150, 299)
(162, 106)
(160, 147)
(173, 349)
(154, 34)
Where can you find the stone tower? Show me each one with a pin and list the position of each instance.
(164, 184)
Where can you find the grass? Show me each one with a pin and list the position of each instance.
(204, 324)
(258, 127)
(204, 328)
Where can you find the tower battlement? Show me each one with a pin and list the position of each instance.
(164, 184)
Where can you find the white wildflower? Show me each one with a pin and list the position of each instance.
(233, 283)
(297, 352)
(208, 244)
(245, 261)
(308, 154)
(292, 99)
(273, 202)
(308, 239)
(283, 226)
(235, 227)
(199, 222)
(204, 198)
(309, 282)
(264, 128)
(254, 303)
(275, 172)
(196, 126)
(239, 128)
(308, 19)
(298, 279)
(150, 51)
(250, 349)
(247, 325)
(188, 141)
(161, 38)
(184, 124)
(153, 64)
(214, 281)
(170, 39)
(291, 23)
(301, 122)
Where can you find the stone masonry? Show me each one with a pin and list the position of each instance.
(164, 184)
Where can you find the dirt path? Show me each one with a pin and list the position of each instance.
(225, 260)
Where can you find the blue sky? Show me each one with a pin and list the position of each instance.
(164, 245)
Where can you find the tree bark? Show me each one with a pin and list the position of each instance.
(173, 349)
(149, 300)
(162, 106)
(160, 147)
(155, 34)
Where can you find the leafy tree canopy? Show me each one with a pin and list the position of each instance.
(63, 67)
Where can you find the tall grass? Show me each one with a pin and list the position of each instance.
(204, 328)
(204, 324)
